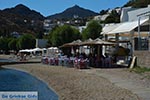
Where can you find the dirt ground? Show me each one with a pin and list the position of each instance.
(75, 84)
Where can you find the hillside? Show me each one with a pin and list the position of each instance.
(73, 11)
(20, 19)
(24, 11)
(137, 3)
(25, 20)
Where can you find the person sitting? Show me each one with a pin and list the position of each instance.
(107, 61)
(102, 61)
(97, 60)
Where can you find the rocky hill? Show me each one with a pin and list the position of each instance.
(22, 10)
(20, 19)
(72, 12)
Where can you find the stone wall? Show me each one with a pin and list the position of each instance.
(143, 58)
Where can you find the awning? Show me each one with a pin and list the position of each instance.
(108, 28)
(127, 27)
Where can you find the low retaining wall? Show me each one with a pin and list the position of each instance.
(10, 63)
(143, 58)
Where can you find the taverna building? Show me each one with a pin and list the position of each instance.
(134, 31)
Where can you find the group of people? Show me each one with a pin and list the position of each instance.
(81, 60)
(22, 56)
(95, 60)
(100, 60)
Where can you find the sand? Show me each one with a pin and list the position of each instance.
(75, 84)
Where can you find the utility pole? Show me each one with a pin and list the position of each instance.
(139, 34)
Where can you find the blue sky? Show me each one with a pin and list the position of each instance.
(49, 7)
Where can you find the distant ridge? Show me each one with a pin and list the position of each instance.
(24, 11)
(73, 11)
(21, 19)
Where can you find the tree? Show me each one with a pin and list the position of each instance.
(129, 3)
(39, 35)
(140, 3)
(12, 44)
(26, 41)
(114, 17)
(102, 12)
(4, 44)
(137, 3)
(63, 34)
(92, 31)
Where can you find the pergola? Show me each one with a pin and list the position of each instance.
(97, 42)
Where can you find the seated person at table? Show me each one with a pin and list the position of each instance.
(107, 61)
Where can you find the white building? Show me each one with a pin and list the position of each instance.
(132, 14)
(101, 17)
(135, 27)
(15, 34)
(130, 22)
(48, 25)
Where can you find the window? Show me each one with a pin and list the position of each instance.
(144, 43)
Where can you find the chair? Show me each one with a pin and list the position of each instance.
(83, 64)
(76, 63)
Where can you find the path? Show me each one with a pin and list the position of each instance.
(125, 79)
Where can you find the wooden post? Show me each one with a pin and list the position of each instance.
(117, 41)
(132, 42)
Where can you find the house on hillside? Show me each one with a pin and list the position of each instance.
(15, 34)
(48, 25)
(101, 17)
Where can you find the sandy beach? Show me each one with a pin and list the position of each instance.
(75, 84)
